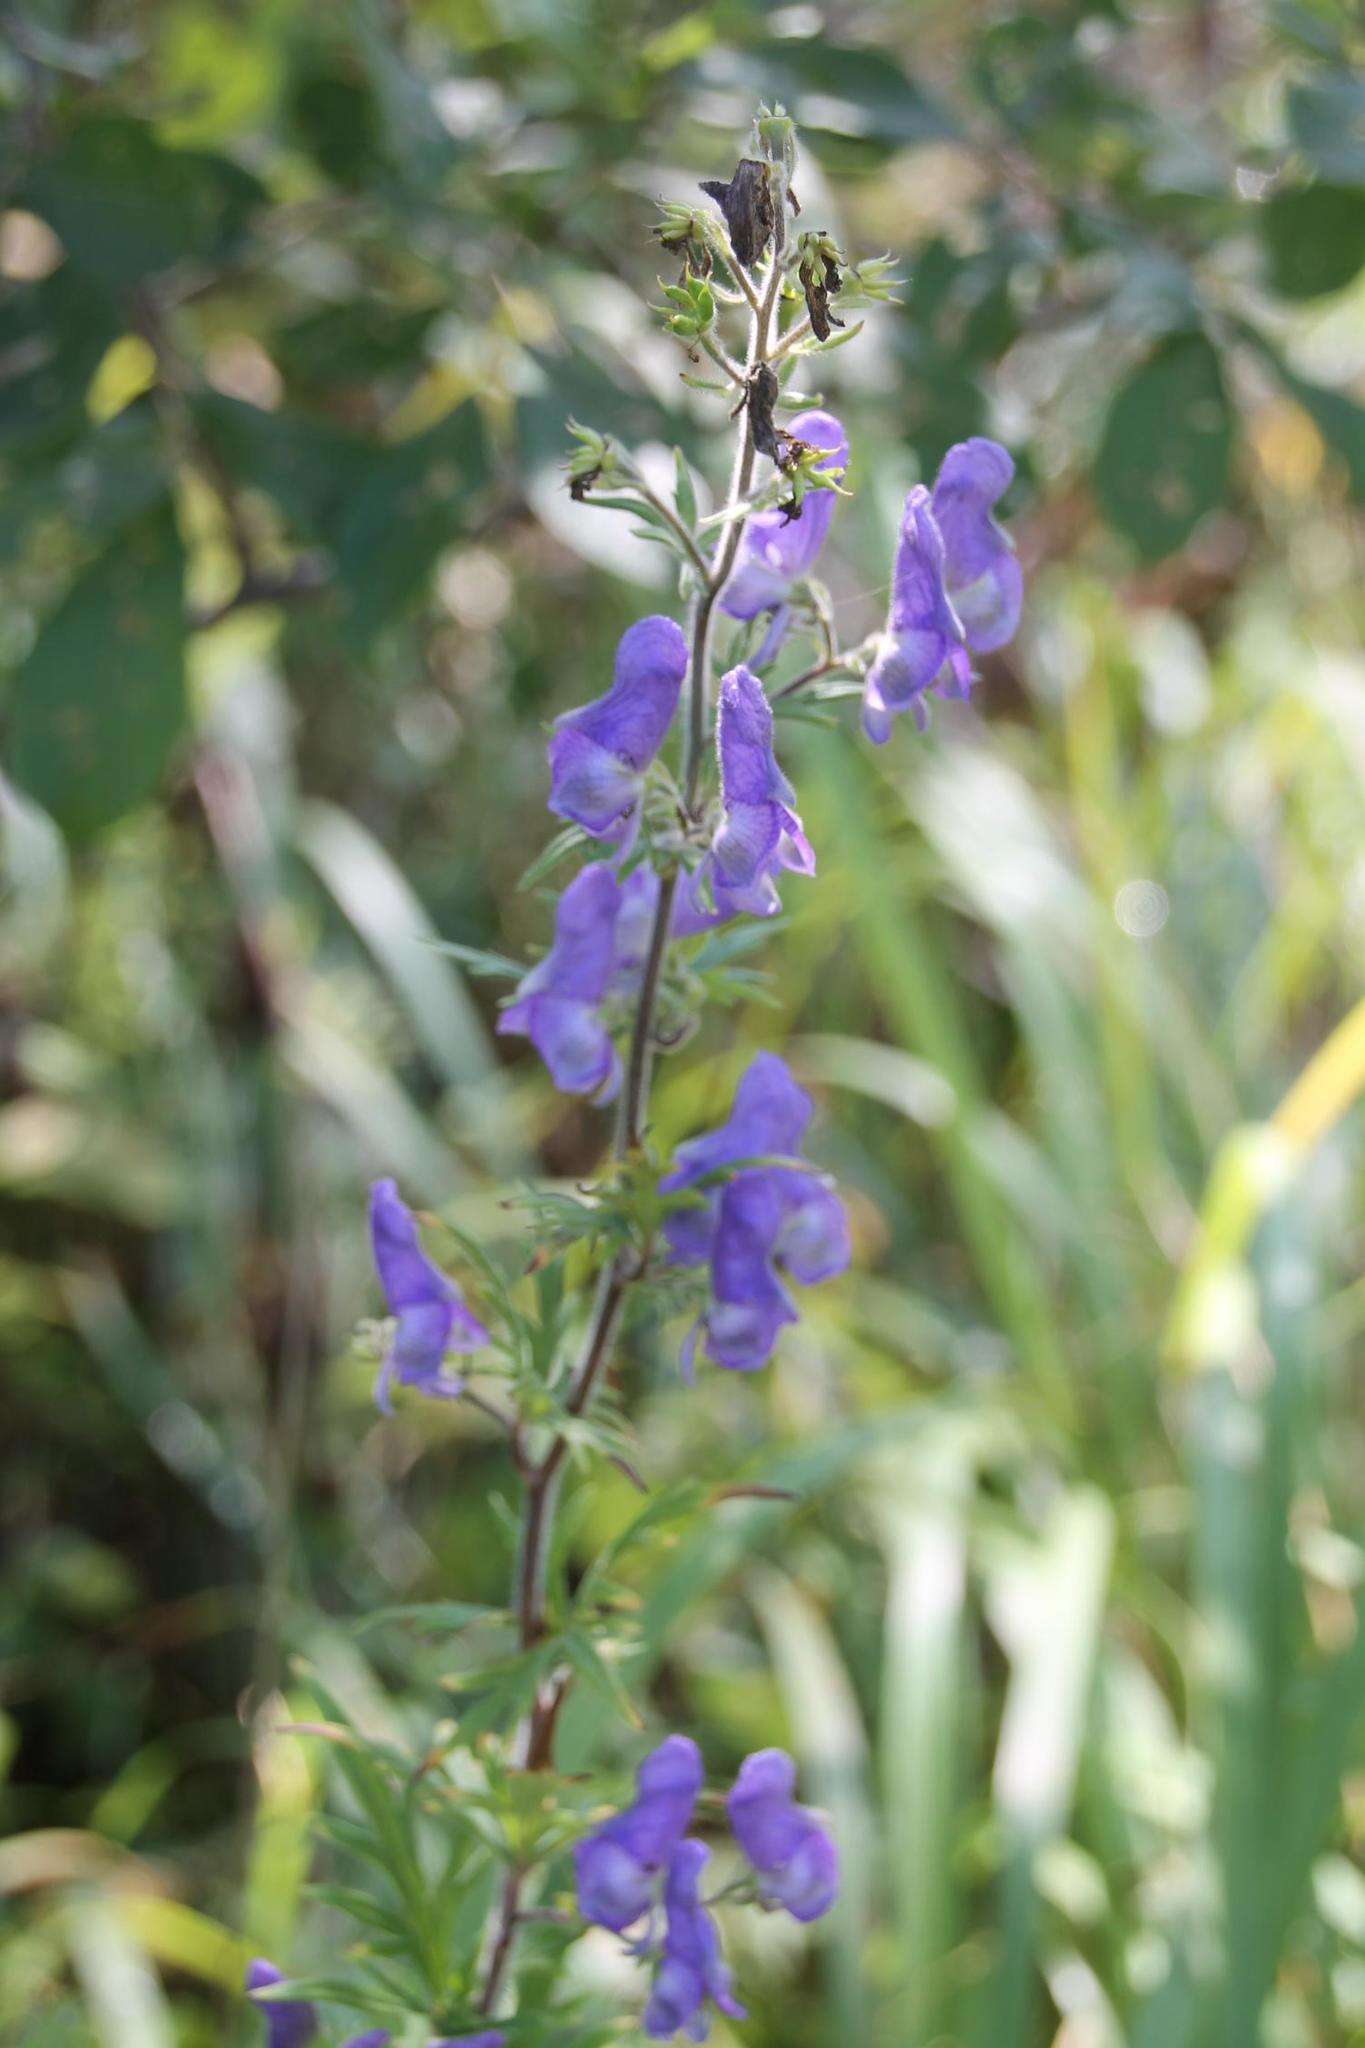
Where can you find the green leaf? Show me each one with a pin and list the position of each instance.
(603, 1677)
(684, 493)
(441, 1616)
(1326, 115)
(413, 503)
(1314, 240)
(125, 206)
(99, 704)
(1163, 459)
(1337, 417)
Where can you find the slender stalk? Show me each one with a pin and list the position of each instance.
(542, 1479)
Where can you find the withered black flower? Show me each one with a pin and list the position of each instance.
(762, 397)
(747, 204)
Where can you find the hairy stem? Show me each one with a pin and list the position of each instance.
(542, 1479)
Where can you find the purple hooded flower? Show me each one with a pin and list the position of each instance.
(378, 2037)
(956, 585)
(289, 2023)
(924, 637)
(759, 833)
(769, 1221)
(432, 1317)
(557, 1005)
(795, 1859)
(764, 1221)
(633, 929)
(769, 1115)
(690, 1969)
(981, 569)
(776, 552)
(598, 756)
(617, 1867)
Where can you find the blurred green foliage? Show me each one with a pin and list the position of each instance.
(1064, 1620)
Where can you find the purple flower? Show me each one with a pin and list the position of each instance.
(289, 2023)
(796, 1861)
(956, 585)
(378, 2037)
(765, 1221)
(759, 833)
(598, 756)
(633, 930)
(432, 1317)
(557, 1005)
(690, 1968)
(616, 1868)
(924, 636)
(768, 1115)
(776, 552)
(981, 568)
(769, 1221)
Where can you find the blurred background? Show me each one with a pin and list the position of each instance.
(1064, 1623)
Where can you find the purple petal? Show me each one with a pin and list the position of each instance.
(775, 552)
(578, 964)
(571, 1039)
(691, 1969)
(812, 1240)
(598, 754)
(749, 1305)
(431, 1315)
(378, 2037)
(556, 1005)
(616, 1867)
(634, 929)
(591, 786)
(289, 2023)
(923, 633)
(982, 573)
(769, 1115)
(792, 1853)
(749, 773)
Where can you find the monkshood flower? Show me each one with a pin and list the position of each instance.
(771, 1221)
(765, 1221)
(776, 552)
(558, 1004)
(690, 1969)
(432, 1317)
(795, 1860)
(618, 1867)
(598, 756)
(768, 1116)
(760, 833)
(981, 568)
(289, 2023)
(633, 930)
(924, 646)
(956, 586)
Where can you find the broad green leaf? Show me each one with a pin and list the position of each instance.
(1314, 239)
(1163, 458)
(98, 706)
(126, 207)
(412, 504)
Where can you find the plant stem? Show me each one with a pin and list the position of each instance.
(542, 1479)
